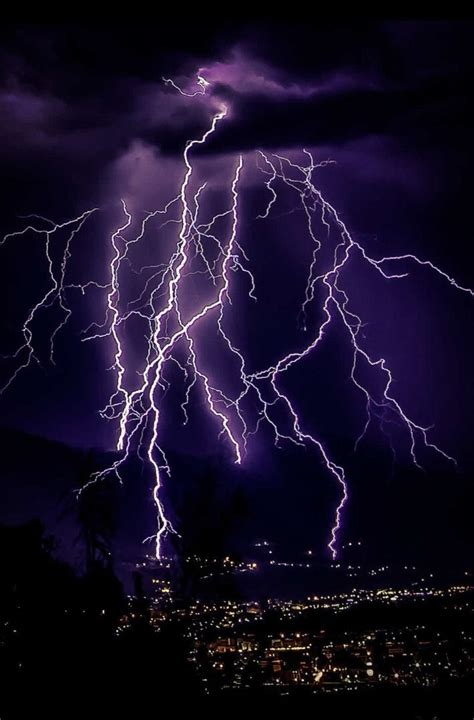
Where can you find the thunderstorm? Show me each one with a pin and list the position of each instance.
(191, 282)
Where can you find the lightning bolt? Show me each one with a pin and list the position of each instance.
(25, 354)
(140, 407)
(210, 247)
(336, 302)
(200, 81)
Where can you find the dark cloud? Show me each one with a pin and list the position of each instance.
(91, 90)
(85, 93)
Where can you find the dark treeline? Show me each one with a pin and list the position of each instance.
(60, 653)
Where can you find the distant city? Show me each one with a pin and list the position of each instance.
(399, 627)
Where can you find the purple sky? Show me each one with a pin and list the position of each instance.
(83, 125)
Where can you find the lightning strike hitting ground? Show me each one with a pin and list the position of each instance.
(213, 249)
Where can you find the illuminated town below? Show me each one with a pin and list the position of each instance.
(403, 628)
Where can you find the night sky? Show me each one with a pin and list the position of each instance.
(86, 120)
